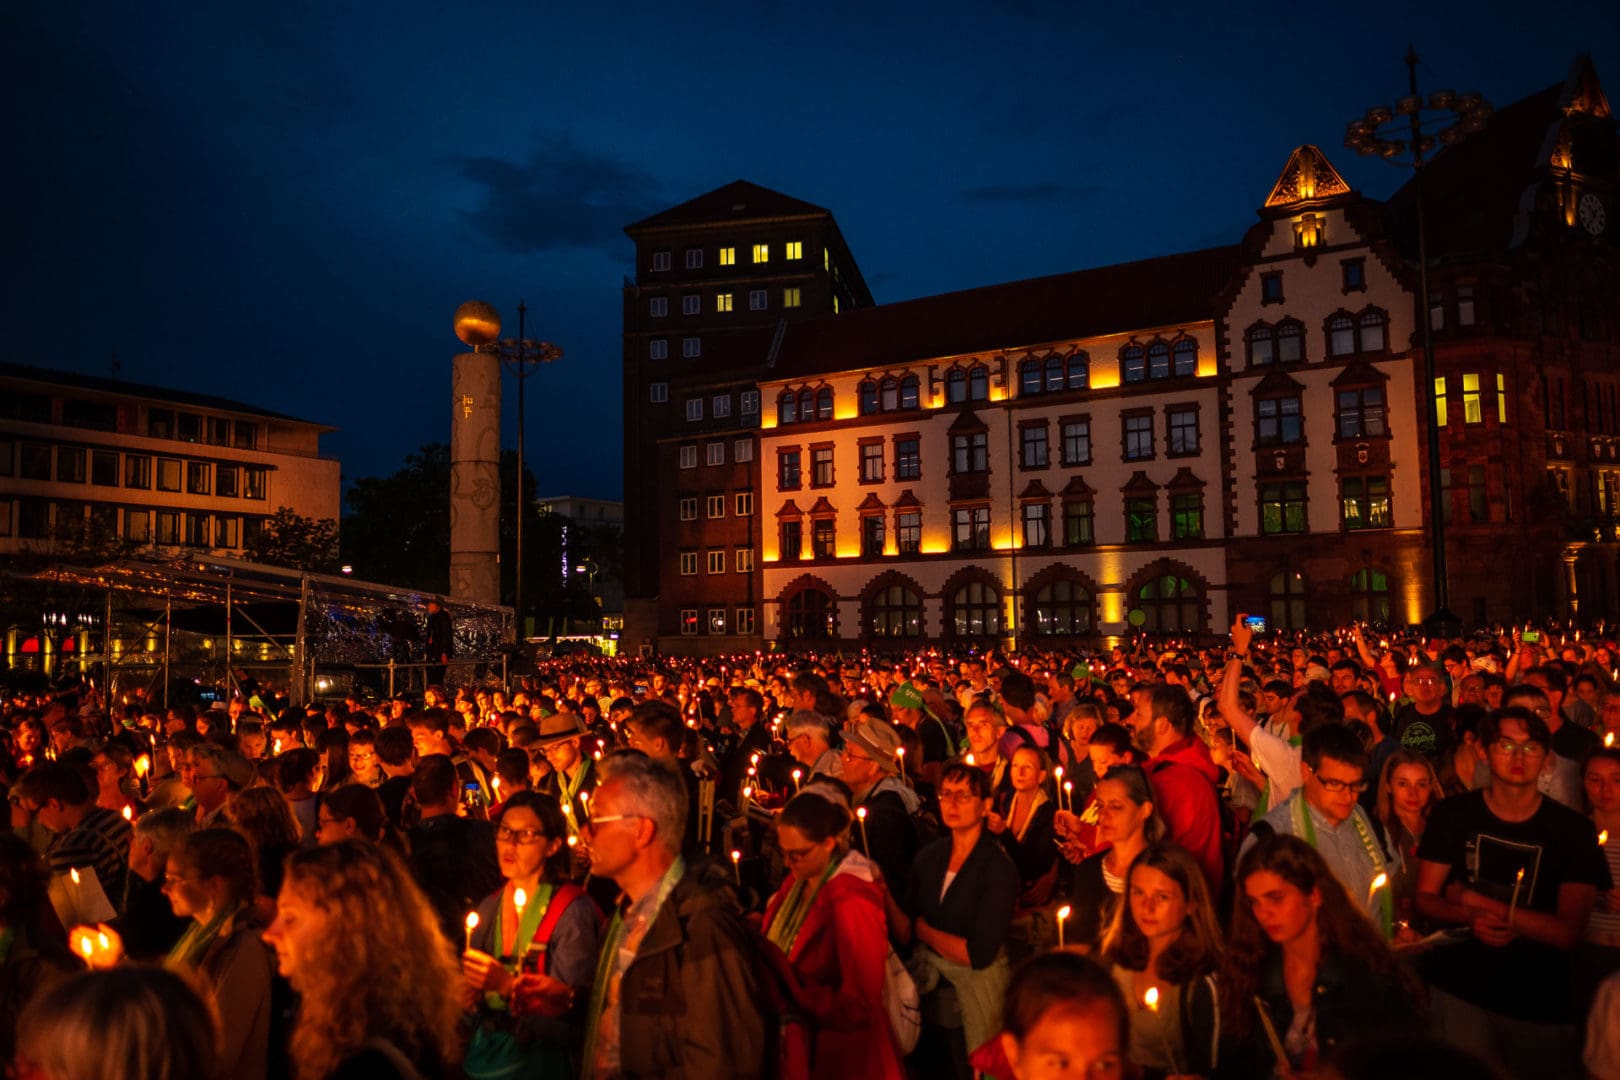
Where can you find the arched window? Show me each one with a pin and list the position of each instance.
(976, 610)
(1369, 590)
(1158, 358)
(868, 392)
(908, 392)
(1262, 343)
(787, 408)
(1132, 363)
(1063, 607)
(807, 404)
(979, 383)
(1029, 376)
(1054, 373)
(809, 615)
(891, 393)
(896, 612)
(1171, 604)
(1288, 601)
(824, 403)
(956, 387)
(1185, 357)
(1341, 333)
(1079, 371)
(1371, 325)
(1290, 341)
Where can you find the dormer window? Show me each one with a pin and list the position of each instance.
(1308, 232)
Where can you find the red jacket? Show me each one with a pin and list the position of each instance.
(837, 978)
(1184, 795)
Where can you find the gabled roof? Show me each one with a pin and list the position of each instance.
(1114, 299)
(737, 201)
(72, 380)
(1308, 179)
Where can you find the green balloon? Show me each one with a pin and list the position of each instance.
(1137, 617)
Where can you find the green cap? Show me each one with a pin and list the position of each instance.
(906, 696)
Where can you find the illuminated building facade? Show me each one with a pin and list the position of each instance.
(90, 459)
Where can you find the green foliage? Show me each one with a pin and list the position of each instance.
(397, 529)
(289, 539)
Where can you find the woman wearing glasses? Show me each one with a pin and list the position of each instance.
(527, 966)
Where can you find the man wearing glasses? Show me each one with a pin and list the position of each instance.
(1325, 812)
(1521, 873)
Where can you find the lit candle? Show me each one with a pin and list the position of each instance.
(1513, 903)
(969, 758)
(1608, 739)
(129, 813)
(1062, 914)
(275, 747)
(1068, 793)
(1377, 883)
(747, 791)
(1603, 837)
(1151, 1000)
(1058, 772)
(495, 787)
(736, 865)
(472, 924)
(900, 756)
(143, 765)
(866, 845)
(798, 776)
(87, 947)
(573, 841)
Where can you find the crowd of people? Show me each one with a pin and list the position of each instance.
(1340, 854)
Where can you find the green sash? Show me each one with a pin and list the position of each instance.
(784, 928)
(528, 923)
(1306, 831)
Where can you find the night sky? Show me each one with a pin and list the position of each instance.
(284, 203)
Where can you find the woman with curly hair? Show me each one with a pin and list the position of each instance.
(1302, 951)
(263, 815)
(378, 981)
(1163, 948)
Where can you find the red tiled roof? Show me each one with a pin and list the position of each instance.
(1086, 303)
(737, 201)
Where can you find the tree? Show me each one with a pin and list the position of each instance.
(397, 529)
(289, 539)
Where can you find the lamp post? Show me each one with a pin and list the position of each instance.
(1394, 133)
(589, 568)
(522, 358)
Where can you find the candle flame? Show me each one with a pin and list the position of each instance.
(861, 813)
(1063, 912)
(142, 764)
(1151, 998)
(1380, 881)
(970, 760)
(129, 814)
(736, 856)
(573, 841)
(101, 939)
(747, 791)
(275, 748)
(798, 774)
(520, 898)
(1608, 740)
(1058, 772)
(1603, 837)
(85, 945)
(472, 921)
(73, 872)
(900, 751)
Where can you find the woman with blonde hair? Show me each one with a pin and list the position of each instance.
(379, 984)
(148, 1021)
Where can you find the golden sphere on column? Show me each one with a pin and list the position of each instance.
(477, 323)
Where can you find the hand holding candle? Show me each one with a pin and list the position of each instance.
(1151, 1000)
(866, 845)
(472, 924)
(1513, 902)
(1377, 883)
(736, 865)
(1062, 914)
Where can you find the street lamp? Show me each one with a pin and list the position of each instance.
(522, 358)
(1394, 133)
(588, 567)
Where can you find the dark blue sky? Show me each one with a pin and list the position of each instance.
(285, 203)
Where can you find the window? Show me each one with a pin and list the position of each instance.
(728, 256)
(1501, 399)
(70, 464)
(188, 427)
(1053, 374)
(1364, 333)
(168, 474)
(908, 531)
(1440, 415)
(252, 483)
(791, 297)
(1370, 590)
(1365, 502)
(742, 451)
(658, 306)
(1465, 305)
(691, 304)
(199, 530)
(824, 538)
(8, 457)
(722, 406)
(168, 527)
(979, 383)
(689, 622)
(198, 475)
(743, 560)
(1138, 437)
(1287, 594)
(1437, 310)
(714, 506)
(745, 620)
(660, 260)
(1262, 344)
(1371, 325)
(34, 519)
(896, 612)
(1077, 523)
(1353, 275)
(756, 300)
(1271, 288)
(970, 452)
(794, 250)
(1037, 524)
(871, 462)
(908, 392)
(691, 347)
(96, 415)
(1158, 358)
(219, 431)
(688, 563)
(907, 458)
(688, 507)
(976, 610)
(103, 467)
(824, 403)
(694, 258)
(1063, 607)
(1282, 507)
(717, 560)
(714, 453)
(866, 395)
(1187, 516)
(872, 535)
(1341, 336)
(745, 504)
(1473, 413)
(658, 392)
(1361, 413)
(762, 253)
(160, 423)
(956, 387)
(694, 408)
(717, 620)
(1141, 519)
(688, 456)
(244, 435)
(1032, 452)
(1077, 442)
(1170, 603)
(1133, 363)
(138, 526)
(1277, 421)
(787, 469)
(970, 528)
(821, 466)
(1478, 503)
(750, 402)
(35, 463)
(792, 541)
(1290, 341)
(1182, 425)
(658, 349)
(1184, 357)
(724, 301)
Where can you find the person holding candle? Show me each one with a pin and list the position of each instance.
(1407, 790)
(1505, 990)
(377, 982)
(528, 969)
(888, 832)
(830, 939)
(809, 740)
(1126, 824)
(61, 799)
(1022, 822)
(37, 957)
(453, 857)
(1164, 945)
(1599, 955)
(146, 921)
(1305, 971)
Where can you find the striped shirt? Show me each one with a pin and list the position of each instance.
(101, 842)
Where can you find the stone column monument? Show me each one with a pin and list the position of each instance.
(475, 455)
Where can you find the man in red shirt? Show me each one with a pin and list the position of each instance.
(1182, 774)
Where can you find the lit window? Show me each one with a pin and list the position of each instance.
(1076, 442)
(722, 406)
(717, 620)
(714, 506)
(658, 306)
(1365, 502)
(658, 349)
(745, 504)
(689, 622)
(824, 538)
(1473, 412)
(756, 300)
(750, 403)
(717, 561)
(742, 451)
(790, 297)
(1187, 516)
(1138, 437)
(908, 531)
(745, 620)
(688, 456)
(1141, 519)
(762, 253)
(908, 458)
(1440, 400)
(691, 304)
(795, 249)
(1501, 399)
(722, 301)
(1077, 523)
(691, 347)
(658, 392)
(660, 260)
(715, 453)
(821, 466)
(694, 258)
(694, 408)
(1282, 507)
(728, 256)
(744, 560)
(688, 563)
(688, 508)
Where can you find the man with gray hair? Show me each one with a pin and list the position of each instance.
(677, 991)
(809, 739)
(146, 920)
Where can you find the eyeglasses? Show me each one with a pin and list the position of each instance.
(209, 776)
(958, 797)
(519, 836)
(171, 880)
(1339, 786)
(604, 819)
(1524, 749)
(795, 855)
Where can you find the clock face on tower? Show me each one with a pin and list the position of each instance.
(1592, 214)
